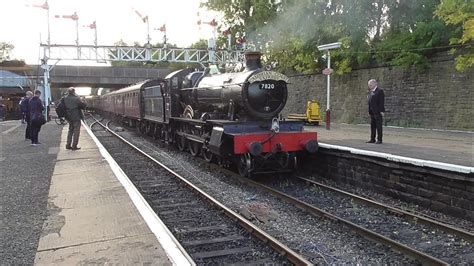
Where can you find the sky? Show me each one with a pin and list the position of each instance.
(24, 25)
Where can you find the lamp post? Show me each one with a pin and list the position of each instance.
(328, 72)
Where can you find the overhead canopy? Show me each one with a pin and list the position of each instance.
(13, 83)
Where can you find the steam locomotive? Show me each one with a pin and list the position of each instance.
(230, 118)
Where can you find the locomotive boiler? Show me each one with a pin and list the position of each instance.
(250, 95)
(230, 118)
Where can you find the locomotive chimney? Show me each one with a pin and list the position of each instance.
(253, 60)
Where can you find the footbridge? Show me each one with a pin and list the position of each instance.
(141, 54)
(116, 77)
(55, 75)
(102, 76)
(62, 76)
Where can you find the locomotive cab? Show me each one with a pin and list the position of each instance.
(192, 79)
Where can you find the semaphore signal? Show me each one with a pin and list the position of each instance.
(45, 6)
(145, 20)
(93, 26)
(74, 17)
(163, 30)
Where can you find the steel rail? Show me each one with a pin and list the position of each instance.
(378, 238)
(152, 221)
(279, 247)
(418, 218)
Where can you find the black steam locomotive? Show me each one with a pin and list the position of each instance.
(230, 118)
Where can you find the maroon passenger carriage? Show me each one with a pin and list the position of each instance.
(231, 118)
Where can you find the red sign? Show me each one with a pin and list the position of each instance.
(327, 71)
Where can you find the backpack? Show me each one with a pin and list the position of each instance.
(61, 109)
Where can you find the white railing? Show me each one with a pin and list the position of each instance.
(140, 54)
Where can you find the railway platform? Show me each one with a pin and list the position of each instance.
(71, 207)
(443, 146)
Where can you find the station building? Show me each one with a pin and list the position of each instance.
(12, 88)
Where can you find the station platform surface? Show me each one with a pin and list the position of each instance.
(67, 207)
(445, 146)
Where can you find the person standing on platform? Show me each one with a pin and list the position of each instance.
(2, 110)
(74, 115)
(25, 111)
(36, 117)
(376, 111)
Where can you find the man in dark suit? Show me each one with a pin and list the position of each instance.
(74, 115)
(376, 111)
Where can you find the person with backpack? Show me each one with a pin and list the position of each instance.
(74, 106)
(61, 110)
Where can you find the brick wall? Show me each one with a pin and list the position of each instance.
(443, 191)
(438, 98)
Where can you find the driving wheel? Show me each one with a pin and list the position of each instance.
(208, 155)
(245, 165)
(194, 148)
(182, 143)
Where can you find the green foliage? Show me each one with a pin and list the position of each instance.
(292, 57)
(404, 15)
(403, 32)
(405, 49)
(463, 62)
(245, 18)
(5, 50)
(201, 44)
(460, 13)
(407, 59)
(315, 189)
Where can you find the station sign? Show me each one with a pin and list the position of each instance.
(327, 71)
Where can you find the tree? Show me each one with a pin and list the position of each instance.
(200, 44)
(245, 18)
(401, 33)
(460, 13)
(5, 50)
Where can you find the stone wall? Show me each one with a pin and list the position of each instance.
(443, 191)
(437, 98)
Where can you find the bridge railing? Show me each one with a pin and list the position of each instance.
(140, 54)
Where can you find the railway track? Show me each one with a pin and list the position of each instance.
(209, 232)
(422, 238)
(429, 254)
(410, 216)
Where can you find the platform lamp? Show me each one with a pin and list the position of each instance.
(328, 72)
